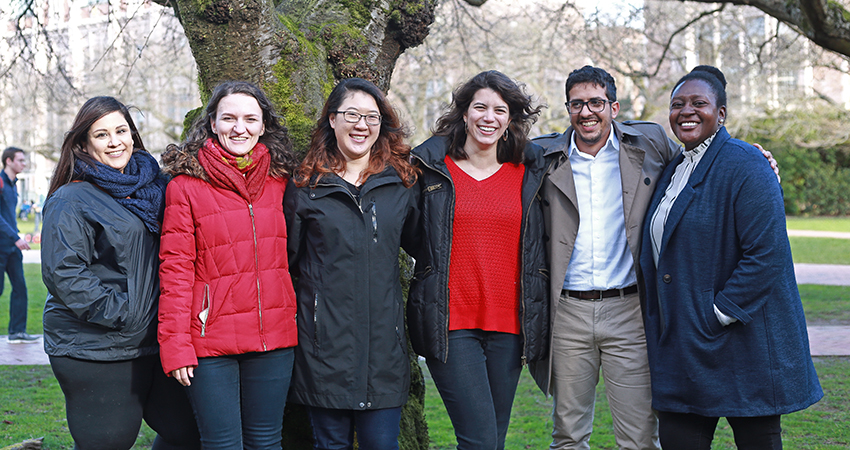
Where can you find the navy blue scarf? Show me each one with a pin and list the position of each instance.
(140, 189)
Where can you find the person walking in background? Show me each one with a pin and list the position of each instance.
(14, 162)
(725, 327)
(352, 211)
(99, 261)
(227, 311)
(479, 307)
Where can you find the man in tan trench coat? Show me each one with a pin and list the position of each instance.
(604, 172)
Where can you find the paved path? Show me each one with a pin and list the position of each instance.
(830, 274)
(824, 341)
(822, 234)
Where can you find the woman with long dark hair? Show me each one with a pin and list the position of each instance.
(479, 303)
(99, 261)
(227, 313)
(351, 211)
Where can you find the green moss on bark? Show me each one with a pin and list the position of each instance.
(189, 120)
(360, 11)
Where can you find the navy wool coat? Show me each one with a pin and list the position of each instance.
(725, 244)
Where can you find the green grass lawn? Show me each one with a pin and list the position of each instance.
(818, 223)
(818, 427)
(28, 227)
(826, 305)
(36, 293)
(820, 250)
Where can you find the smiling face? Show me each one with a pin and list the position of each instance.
(110, 141)
(694, 114)
(592, 128)
(355, 140)
(238, 123)
(487, 119)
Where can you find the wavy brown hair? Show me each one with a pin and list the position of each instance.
(73, 147)
(522, 111)
(183, 158)
(324, 156)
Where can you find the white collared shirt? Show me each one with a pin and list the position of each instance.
(677, 183)
(601, 258)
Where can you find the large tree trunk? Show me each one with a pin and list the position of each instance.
(296, 50)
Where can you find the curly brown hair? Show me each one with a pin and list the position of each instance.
(522, 111)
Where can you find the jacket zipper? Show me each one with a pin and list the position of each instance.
(316, 320)
(450, 215)
(522, 308)
(257, 271)
(374, 221)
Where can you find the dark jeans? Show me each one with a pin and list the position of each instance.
(695, 432)
(239, 399)
(12, 261)
(333, 429)
(106, 401)
(477, 384)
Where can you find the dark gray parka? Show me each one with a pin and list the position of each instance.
(428, 302)
(100, 266)
(352, 351)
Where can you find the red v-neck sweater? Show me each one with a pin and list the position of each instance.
(484, 270)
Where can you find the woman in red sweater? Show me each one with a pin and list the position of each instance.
(478, 305)
(227, 308)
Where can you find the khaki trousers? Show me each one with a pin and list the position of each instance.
(607, 335)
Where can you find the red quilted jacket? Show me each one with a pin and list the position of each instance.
(225, 280)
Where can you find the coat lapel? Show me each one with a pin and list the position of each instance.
(631, 164)
(562, 176)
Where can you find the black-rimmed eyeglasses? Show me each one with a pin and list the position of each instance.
(354, 117)
(593, 105)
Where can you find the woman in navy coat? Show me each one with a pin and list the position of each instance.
(725, 329)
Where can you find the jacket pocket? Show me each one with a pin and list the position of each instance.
(206, 309)
(311, 306)
(709, 323)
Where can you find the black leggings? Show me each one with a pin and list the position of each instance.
(695, 432)
(105, 403)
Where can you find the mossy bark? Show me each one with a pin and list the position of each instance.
(296, 50)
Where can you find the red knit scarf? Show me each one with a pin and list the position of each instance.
(244, 174)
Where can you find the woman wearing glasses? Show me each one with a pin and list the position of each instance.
(348, 216)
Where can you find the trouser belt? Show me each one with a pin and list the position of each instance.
(599, 295)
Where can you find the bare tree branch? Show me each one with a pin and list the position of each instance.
(825, 22)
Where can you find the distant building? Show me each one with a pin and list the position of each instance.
(50, 63)
(768, 65)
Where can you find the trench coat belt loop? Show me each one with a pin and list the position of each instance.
(599, 295)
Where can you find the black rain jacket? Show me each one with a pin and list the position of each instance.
(352, 351)
(100, 266)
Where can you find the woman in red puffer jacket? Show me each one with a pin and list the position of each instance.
(227, 309)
